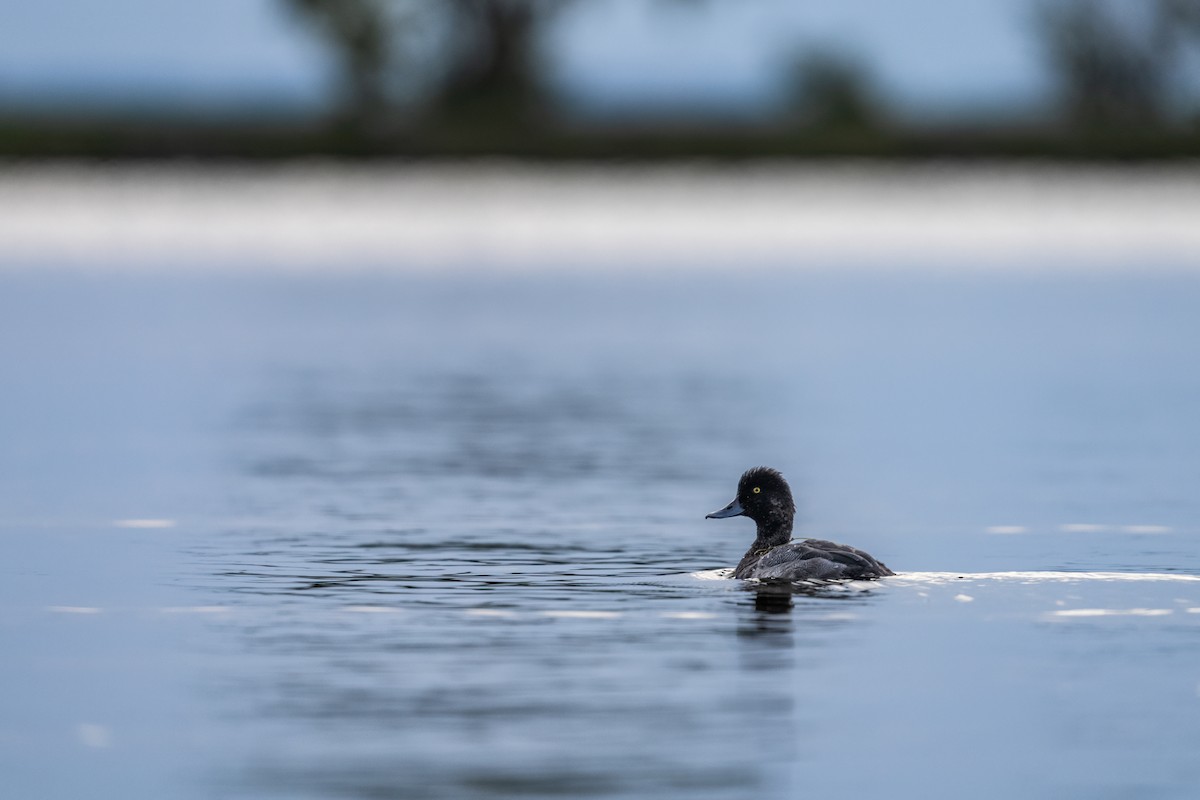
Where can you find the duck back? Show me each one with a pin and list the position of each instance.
(811, 559)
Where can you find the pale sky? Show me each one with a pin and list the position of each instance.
(930, 55)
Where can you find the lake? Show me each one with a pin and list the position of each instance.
(440, 533)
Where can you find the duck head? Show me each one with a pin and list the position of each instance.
(763, 496)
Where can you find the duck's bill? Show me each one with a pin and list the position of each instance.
(734, 509)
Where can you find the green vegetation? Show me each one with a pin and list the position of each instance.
(1122, 67)
(464, 78)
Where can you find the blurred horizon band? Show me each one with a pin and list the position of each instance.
(509, 216)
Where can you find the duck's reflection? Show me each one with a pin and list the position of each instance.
(767, 630)
(786, 632)
(781, 619)
(775, 603)
(769, 617)
(772, 603)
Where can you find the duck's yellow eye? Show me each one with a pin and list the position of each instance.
(757, 490)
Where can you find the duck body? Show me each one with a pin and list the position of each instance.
(810, 560)
(765, 497)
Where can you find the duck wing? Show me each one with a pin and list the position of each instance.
(817, 559)
(850, 556)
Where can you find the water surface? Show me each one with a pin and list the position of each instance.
(374, 537)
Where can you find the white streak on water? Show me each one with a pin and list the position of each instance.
(488, 612)
(74, 609)
(964, 598)
(688, 615)
(714, 574)
(372, 609)
(195, 609)
(938, 578)
(145, 524)
(1111, 612)
(565, 614)
(1146, 529)
(1082, 527)
(1007, 529)
(941, 578)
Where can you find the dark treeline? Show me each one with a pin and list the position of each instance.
(406, 63)
(1123, 65)
(466, 77)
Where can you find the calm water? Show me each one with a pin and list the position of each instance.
(355, 537)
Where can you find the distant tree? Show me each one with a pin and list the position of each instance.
(359, 35)
(493, 67)
(832, 91)
(1118, 65)
(454, 59)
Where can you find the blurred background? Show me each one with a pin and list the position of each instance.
(367, 368)
(580, 78)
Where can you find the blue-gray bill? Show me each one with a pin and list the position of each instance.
(734, 509)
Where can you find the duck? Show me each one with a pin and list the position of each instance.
(764, 496)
